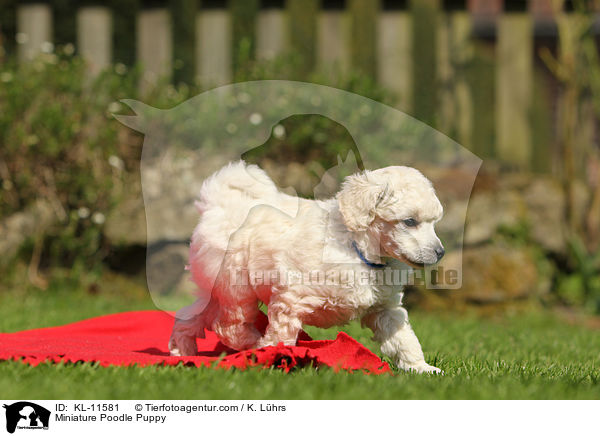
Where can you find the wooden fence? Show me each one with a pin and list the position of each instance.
(377, 37)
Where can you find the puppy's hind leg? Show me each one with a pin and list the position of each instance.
(284, 323)
(235, 323)
(190, 323)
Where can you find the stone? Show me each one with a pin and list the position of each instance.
(126, 224)
(491, 274)
(489, 211)
(165, 267)
(171, 186)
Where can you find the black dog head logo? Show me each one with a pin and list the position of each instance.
(26, 414)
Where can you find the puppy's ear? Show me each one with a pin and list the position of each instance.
(358, 200)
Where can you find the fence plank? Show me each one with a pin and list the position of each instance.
(333, 42)
(271, 34)
(394, 55)
(34, 29)
(154, 45)
(514, 88)
(213, 47)
(94, 37)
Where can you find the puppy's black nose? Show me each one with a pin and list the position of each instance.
(439, 252)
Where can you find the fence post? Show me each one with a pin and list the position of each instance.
(363, 39)
(2, 50)
(125, 31)
(425, 15)
(576, 116)
(213, 44)
(34, 30)
(271, 35)
(94, 37)
(154, 43)
(394, 51)
(333, 41)
(183, 16)
(243, 15)
(454, 52)
(302, 22)
(514, 85)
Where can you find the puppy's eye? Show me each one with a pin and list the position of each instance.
(410, 222)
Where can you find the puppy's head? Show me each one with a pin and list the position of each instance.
(398, 207)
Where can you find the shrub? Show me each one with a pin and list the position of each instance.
(61, 144)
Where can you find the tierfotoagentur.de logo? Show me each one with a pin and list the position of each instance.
(25, 415)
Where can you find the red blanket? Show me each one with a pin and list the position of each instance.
(141, 338)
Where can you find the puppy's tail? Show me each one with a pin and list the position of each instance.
(225, 200)
(237, 185)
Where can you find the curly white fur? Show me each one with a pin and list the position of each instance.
(248, 226)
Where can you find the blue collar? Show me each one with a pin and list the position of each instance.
(364, 259)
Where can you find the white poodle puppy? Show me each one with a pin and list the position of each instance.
(254, 243)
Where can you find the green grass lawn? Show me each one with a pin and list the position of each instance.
(533, 356)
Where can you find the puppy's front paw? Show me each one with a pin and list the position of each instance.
(420, 368)
(183, 346)
(429, 369)
(265, 342)
(272, 342)
(175, 351)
